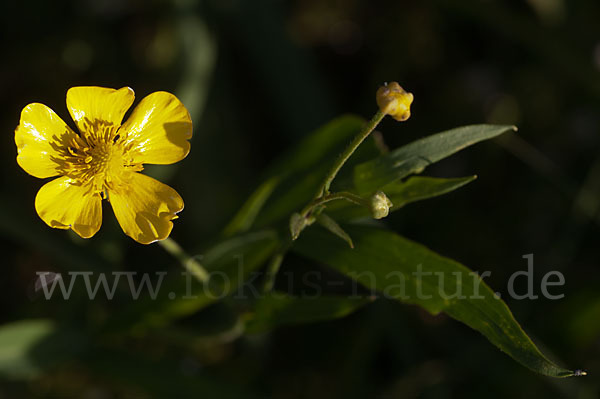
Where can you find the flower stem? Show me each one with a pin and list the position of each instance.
(355, 199)
(189, 263)
(275, 264)
(273, 268)
(364, 133)
(323, 195)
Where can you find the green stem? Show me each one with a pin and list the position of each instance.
(190, 264)
(323, 196)
(273, 268)
(275, 264)
(364, 133)
(355, 199)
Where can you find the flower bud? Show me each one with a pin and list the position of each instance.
(380, 205)
(393, 100)
(298, 223)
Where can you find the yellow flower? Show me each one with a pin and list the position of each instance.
(103, 160)
(393, 100)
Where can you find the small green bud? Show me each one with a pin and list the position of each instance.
(380, 205)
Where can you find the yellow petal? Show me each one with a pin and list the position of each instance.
(40, 137)
(90, 105)
(158, 130)
(63, 204)
(145, 207)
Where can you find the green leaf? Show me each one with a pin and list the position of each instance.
(325, 142)
(245, 217)
(303, 169)
(386, 262)
(334, 228)
(416, 188)
(290, 197)
(319, 148)
(279, 309)
(419, 188)
(416, 156)
(30, 347)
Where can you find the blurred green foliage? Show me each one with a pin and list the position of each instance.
(258, 76)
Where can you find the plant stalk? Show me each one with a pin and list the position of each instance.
(189, 263)
(344, 156)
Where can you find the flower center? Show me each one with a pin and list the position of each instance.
(97, 157)
(106, 159)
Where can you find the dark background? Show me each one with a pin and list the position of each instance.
(259, 75)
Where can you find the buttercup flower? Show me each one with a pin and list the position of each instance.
(103, 160)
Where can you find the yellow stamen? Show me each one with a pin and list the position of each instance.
(97, 157)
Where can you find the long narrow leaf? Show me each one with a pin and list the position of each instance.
(245, 217)
(416, 156)
(416, 188)
(387, 262)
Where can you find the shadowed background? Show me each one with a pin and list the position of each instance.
(257, 76)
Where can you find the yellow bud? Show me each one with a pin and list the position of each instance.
(380, 205)
(393, 100)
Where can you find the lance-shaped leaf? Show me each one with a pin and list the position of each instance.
(325, 142)
(244, 218)
(302, 170)
(416, 156)
(416, 188)
(334, 228)
(319, 148)
(411, 273)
